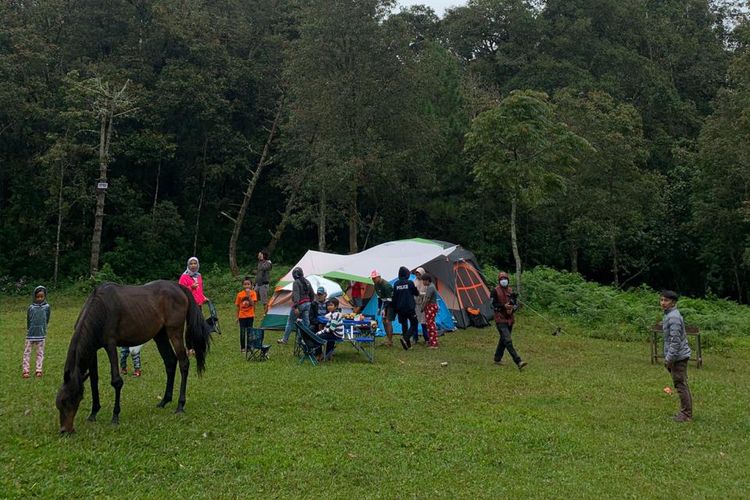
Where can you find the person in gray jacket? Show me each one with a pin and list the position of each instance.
(37, 318)
(676, 353)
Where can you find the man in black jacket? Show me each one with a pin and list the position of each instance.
(404, 304)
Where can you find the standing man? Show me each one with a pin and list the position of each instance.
(504, 304)
(404, 292)
(676, 353)
(262, 278)
(302, 297)
(384, 291)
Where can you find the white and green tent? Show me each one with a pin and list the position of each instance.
(457, 276)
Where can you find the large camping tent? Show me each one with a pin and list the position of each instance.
(457, 275)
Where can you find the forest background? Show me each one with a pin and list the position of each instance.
(609, 137)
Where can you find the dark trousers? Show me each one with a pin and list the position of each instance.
(245, 325)
(426, 335)
(678, 370)
(505, 343)
(330, 345)
(409, 323)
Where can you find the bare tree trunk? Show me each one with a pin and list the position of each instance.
(262, 162)
(276, 235)
(514, 242)
(369, 229)
(615, 262)
(156, 189)
(200, 198)
(322, 221)
(737, 280)
(59, 222)
(105, 136)
(353, 226)
(573, 250)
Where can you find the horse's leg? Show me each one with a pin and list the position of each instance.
(170, 365)
(94, 374)
(116, 380)
(175, 336)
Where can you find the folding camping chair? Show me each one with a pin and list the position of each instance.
(213, 318)
(255, 349)
(308, 342)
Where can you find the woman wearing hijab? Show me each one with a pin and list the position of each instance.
(193, 281)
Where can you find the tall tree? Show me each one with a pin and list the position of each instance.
(519, 150)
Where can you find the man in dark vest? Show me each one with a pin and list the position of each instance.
(505, 305)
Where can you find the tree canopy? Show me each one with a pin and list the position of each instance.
(607, 137)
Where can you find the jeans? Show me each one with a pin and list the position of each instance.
(505, 343)
(304, 315)
(678, 371)
(135, 352)
(245, 325)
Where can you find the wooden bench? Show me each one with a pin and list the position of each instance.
(692, 331)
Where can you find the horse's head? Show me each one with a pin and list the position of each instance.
(69, 398)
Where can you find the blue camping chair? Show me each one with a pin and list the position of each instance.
(309, 343)
(255, 349)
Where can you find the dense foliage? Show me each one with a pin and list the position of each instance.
(226, 127)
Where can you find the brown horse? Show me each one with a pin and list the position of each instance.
(116, 315)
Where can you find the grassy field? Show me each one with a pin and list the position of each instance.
(588, 418)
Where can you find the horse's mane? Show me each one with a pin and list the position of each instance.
(88, 328)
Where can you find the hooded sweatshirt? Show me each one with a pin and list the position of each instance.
(302, 290)
(404, 292)
(37, 318)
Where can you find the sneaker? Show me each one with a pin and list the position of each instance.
(681, 417)
(522, 364)
(405, 344)
(499, 363)
(282, 341)
(137, 373)
(432, 347)
(25, 375)
(39, 374)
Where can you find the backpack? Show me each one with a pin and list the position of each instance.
(476, 318)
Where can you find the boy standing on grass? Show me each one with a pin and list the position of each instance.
(245, 302)
(384, 291)
(676, 353)
(37, 319)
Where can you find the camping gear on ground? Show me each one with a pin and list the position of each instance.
(255, 349)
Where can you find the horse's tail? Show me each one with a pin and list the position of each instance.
(198, 333)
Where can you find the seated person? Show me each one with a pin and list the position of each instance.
(318, 308)
(333, 330)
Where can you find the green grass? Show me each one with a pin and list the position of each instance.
(588, 418)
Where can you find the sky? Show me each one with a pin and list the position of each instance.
(438, 6)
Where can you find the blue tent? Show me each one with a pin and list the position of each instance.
(443, 320)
